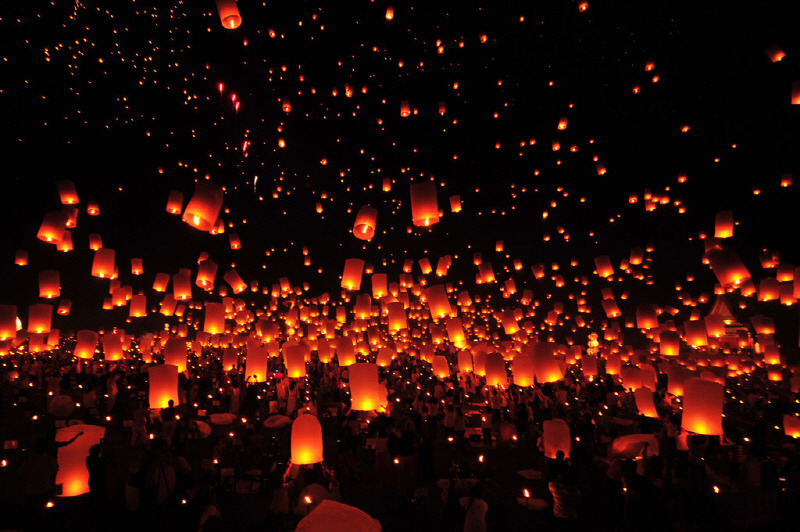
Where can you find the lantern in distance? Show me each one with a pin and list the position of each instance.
(556, 437)
(95, 241)
(465, 361)
(405, 109)
(496, 374)
(702, 407)
(455, 203)
(175, 353)
(723, 224)
(67, 192)
(611, 308)
(791, 425)
(796, 92)
(21, 257)
(40, 317)
(696, 333)
(229, 14)
(8, 322)
(424, 205)
(644, 402)
(49, 284)
(138, 306)
(366, 221)
(234, 241)
(306, 443)
(163, 381)
(53, 226)
(203, 209)
(351, 276)
(86, 344)
(364, 386)
(137, 267)
(174, 202)
(72, 474)
(546, 367)
(235, 281)
(455, 332)
(103, 263)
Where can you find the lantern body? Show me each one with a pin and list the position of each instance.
(351, 276)
(723, 224)
(49, 284)
(306, 440)
(366, 221)
(174, 202)
(40, 317)
(181, 286)
(295, 360)
(728, 267)
(21, 257)
(669, 343)
(86, 344)
(229, 14)
(396, 316)
(112, 347)
(791, 425)
(53, 226)
(424, 205)
(8, 322)
(556, 437)
(206, 273)
(364, 386)
(175, 353)
(644, 402)
(138, 306)
(72, 473)
(464, 361)
(438, 303)
(546, 367)
(67, 192)
(256, 363)
(522, 370)
(214, 319)
(496, 370)
(163, 385)
(346, 352)
(203, 209)
(103, 263)
(440, 367)
(702, 407)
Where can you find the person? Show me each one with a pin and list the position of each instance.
(168, 422)
(98, 475)
(38, 472)
(475, 510)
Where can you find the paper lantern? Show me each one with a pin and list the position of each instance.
(203, 209)
(295, 359)
(702, 407)
(137, 267)
(438, 302)
(175, 353)
(67, 192)
(103, 264)
(21, 257)
(306, 443)
(455, 332)
(229, 14)
(256, 362)
(385, 356)
(364, 386)
(496, 370)
(522, 369)
(351, 276)
(440, 367)
(696, 333)
(646, 317)
(611, 308)
(163, 381)
(455, 203)
(389, 13)
(95, 241)
(49, 284)
(174, 202)
(234, 281)
(589, 366)
(546, 367)
(8, 322)
(39, 318)
(234, 241)
(644, 402)
(206, 273)
(138, 306)
(72, 474)
(53, 226)
(723, 224)
(92, 208)
(556, 437)
(181, 287)
(345, 352)
(465, 361)
(86, 344)
(669, 343)
(230, 358)
(366, 221)
(214, 322)
(405, 109)
(791, 425)
(112, 347)
(603, 266)
(728, 267)
(424, 204)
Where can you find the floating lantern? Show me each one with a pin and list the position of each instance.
(175, 353)
(438, 303)
(345, 352)
(181, 286)
(424, 205)
(702, 407)
(364, 386)
(53, 226)
(306, 443)
(256, 362)
(351, 276)
(39, 318)
(174, 202)
(669, 343)
(67, 192)
(206, 273)
(214, 322)
(103, 264)
(21, 257)
(235, 281)
(723, 224)
(791, 425)
(112, 347)
(49, 284)
(137, 267)
(440, 367)
(728, 267)
(523, 370)
(366, 221)
(546, 367)
(203, 209)
(603, 266)
(644, 402)
(163, 380)
(8, 322)
(295, 359)
(229, 14)
(138, 306)
(86, 344)
(646, 317)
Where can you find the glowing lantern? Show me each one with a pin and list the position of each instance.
(67, 193)
(175, 353)
(229, 14)
(465, 361)
(236, 283)
(546, 367)
(137, 267)
(455, 332)
(522, 369)
(438, 303)
(696, 333)
(92, 208)
(103, 263)
(21, 257)
(112, 347)
(589, 365)
(702, 407)
(86, 343)
(39, 318)
(723, 224)
(306, 443)
(796, 93)
(351, 277)
(440, 367)
(614, 364)
(256, 363)
(775, 53)
(8, 322)
(206, 272)
(295, 359)
(49, 284)
(174, 202)
(603, 266)
(405, 109)
(138, 306)
(364, 389)
(424, 205)
(556, 437)
(72, 474)
(163, 380)
(71, 214)
(214, 322)
(286, 105)
(53, 226)
(715, 326)
(791, 425)
(646, 317)
(389, 13)
(379, 285)
(496, 370)
(644, 402)
(345, 352)
(385, 356)
(203, 209)
(366, 220)
(611, 308)
(670, 343)
(728, 267)
(181, 286)
(396, 316)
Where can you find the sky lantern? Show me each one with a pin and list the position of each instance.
(496, 370)
(424, 205)
(95, 241)
(345, 351)
(161, 282)
(385, 356)
(465, 361)
(86, 344)
(174, 202)
(53, 226)
(21, 257)
(203, 209)
(8, 322)
(294, 358)
(214, 322)
(206, 273)
(546, 367)
(92, 208)
(556, 437)
(723, 224)
(40, 317)
(389, 12)
(67, 192)
(614, 364)
(137, 267)
(103, 264)
(791, 425)
(715, 325)
(49, 284)
(366, 220)
(138, 306)
(644, 402)
(589, 365)
(235, 241)
(396, 316)
(702, 407)
(405, 109)
(364, 386)
(455, 332)
(379, 285)
(775, 53)
(696, 333)
(175, 353)
(728, 267)
(306, 443)
(181, 286)
(438, 303)
(112, 347)
(72, 475)
(351, 276)
(236, 283)
(163, 382)
(440, 366)
(669, 343)
(646, 317)
(611, 308)
(522, 369)
(603, 266)
(796, 92)
(228, 14)
(72, 215)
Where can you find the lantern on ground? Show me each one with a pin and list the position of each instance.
(163, 385)
(364, 386)
(306, 440)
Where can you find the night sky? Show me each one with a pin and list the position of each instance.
(133, 99)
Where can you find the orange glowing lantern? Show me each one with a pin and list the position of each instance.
(389, 13)
(723, 224)
(53, 226)
(163, 381)
(366, 220)
(306, 443)
(345, 352)
(696, 333)
(791, 425)
(112, 347)
(523, 370)
(396, 316)
(603, 266)
(646, 317)
(379, 285)
(236, 283)
(728, 267)
(103, 264)
(256, 363)
(438, 303)
(702, 407)
(229, 14)
(72, 475)
(21, 257)
(67, 192)
(440, 366)
(175, 353)
(40, 317)
(203, 209)
(424, 204)
(138, 306)
(405, 109)
(556, 437)
(214, 322)
(174, 202)
(137, 267)
(351, 277)
(295, 359)
(670, 343)
(86, 343)
(181, 286)
(546, 367)
(364, 388)
(49, 284)
(8, 322)
(160, 282)
(206, 273)
(644, 402)
(496, 370)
